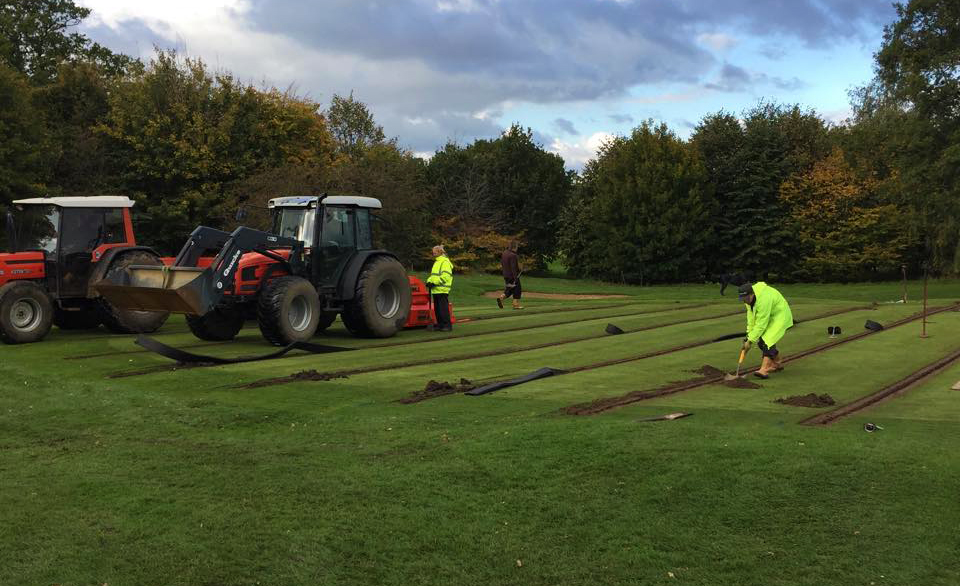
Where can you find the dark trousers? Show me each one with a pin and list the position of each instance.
(768, 351)
(441, 305)
(515, 291)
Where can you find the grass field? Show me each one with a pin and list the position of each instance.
(120, 468)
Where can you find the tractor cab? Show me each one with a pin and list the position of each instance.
(331, 229)
(60, 240)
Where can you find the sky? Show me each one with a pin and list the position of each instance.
(574, 71)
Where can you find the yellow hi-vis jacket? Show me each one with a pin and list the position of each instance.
(441, 275)
(770, 317)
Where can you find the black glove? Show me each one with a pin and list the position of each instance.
(430, 286)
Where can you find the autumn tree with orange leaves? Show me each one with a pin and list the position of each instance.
(844, 232)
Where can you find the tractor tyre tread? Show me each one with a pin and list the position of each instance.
(16, 291)
(361, 315)
(273, 310)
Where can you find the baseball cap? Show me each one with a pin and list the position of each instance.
(744, 290)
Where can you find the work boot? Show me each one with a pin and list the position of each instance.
(777, 366)
(766, 367)
(516, 304)
(500, 301)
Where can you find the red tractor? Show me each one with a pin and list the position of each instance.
(318, 262)
(59, 247)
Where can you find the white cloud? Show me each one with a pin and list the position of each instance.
(717, 41)
(576, 154)
(187, 14)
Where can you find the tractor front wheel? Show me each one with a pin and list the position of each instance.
(288, 311)
(26, 312)
(219, 325)
(130, 321)
(381, 302)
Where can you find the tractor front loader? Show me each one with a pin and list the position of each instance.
(318, 262)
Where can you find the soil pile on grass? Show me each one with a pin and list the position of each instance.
(708, 375)
(809, 400)
(303, 375)
(438, 389)
(708, 371)
(314, 375)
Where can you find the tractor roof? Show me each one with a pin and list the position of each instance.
(100, 201)
(341, 200)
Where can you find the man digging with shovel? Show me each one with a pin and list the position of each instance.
(768, 319)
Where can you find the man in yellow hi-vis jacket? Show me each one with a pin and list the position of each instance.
(439, 282)
(768, 319)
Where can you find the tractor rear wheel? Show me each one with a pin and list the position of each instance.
(130, 321)
(84, 319)
(288, 311)
(26, 312)
(381, 302)
(218, 325)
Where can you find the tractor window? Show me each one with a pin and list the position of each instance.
(338, 228)
(36, 227)
(296, 223)
(364, 230)
(82, 230)
(113, 226)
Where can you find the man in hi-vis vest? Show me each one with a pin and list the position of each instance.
(439, 283)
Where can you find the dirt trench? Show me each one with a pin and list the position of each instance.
(708, 375)
(608, 403)
(901, 386)
(808, 400)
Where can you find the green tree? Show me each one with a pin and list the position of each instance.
(23, 139)
(179, 137)
(74, 104)
(719, 138)
(352, 125)
(509, 185)
(915, 100)
(747, 170)
(36, 36)
(642, 213)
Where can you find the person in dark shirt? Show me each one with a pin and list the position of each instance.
(511, 276)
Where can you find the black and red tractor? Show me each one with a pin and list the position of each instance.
(59, 247)
(318, 262)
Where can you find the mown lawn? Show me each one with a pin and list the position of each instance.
(184, 477)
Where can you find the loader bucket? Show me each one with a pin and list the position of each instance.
(161, 288)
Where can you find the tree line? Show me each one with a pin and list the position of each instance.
(774, 191)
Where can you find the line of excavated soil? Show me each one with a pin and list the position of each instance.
(163, 368)
(487, 354)
(687, 347)
(563, 296)
(608, 403)
(898, 388)
(438, 339)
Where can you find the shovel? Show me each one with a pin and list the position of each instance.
(743, 354)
